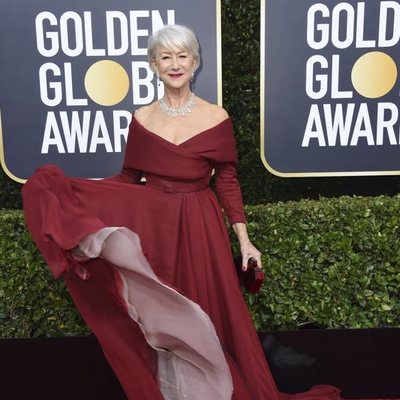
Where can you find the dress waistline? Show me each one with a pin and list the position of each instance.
(174, 186)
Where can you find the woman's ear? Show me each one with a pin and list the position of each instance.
(195, 64)
(154, 68)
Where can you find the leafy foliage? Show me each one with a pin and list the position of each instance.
(32, 304)
(9, 192)
(332, 263)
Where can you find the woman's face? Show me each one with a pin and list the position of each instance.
(175, 66)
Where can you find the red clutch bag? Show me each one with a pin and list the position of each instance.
(252, 278)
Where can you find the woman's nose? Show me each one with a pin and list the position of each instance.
(175, 64)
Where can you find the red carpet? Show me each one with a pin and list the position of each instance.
(365, 364)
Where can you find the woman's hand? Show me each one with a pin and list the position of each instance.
(246, 248)
(249, 251)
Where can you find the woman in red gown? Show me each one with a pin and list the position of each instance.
(149, 266)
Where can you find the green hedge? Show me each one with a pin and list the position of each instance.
(32, 304)
(332, 263)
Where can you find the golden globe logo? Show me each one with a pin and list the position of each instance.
(107, 82)
(341, 120)
(72, 124)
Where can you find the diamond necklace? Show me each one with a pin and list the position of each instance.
(173, 112)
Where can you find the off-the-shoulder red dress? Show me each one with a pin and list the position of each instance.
(172, 323)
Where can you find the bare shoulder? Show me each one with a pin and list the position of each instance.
(219, 113)
(214, 113)
(143, 114)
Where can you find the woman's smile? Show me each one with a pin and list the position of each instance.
(175, 76)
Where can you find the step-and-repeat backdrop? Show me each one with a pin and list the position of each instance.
(72, 73)
(330, 87)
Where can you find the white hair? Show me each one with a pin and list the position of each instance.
(173, 37)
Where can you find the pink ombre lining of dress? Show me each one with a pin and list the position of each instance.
(191, 363)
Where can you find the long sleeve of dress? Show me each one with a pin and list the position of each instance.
(228, 191)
